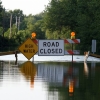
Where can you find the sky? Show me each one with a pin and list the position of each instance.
(27, 6)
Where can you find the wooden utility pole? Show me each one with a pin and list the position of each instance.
(18, 23)
(10, 25)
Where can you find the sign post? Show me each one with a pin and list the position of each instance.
(28, 48)
(72, 54)
(33, 37)
(72, 37)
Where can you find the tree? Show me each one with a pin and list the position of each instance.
(60, 14)
(88, 19)
(81, 16)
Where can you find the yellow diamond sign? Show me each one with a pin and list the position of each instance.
(28, 48)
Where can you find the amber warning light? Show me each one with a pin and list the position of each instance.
(33, 35)
(72, 35)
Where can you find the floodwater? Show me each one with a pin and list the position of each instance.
(49, 80)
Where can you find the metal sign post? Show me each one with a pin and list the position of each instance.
(72, 55)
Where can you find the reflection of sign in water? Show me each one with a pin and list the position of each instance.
(57, 74)
(28, 48)
(29, 71)
(86, 69)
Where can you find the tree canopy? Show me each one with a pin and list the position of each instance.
(81, 16)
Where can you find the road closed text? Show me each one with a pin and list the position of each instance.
(51, 51)
(51, 47)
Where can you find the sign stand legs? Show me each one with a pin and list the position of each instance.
(33, 58)
(72, 55)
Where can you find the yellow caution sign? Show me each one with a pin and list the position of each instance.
(28, 48)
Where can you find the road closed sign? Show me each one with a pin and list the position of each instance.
(51, 47)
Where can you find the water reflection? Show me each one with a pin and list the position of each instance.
(14, 84)
(49, 81)
(1, 71)
(71, 87)
(86, 69)
(28, 69)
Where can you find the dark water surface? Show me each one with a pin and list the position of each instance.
(49, 81)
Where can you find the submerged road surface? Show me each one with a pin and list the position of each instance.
(65, 58)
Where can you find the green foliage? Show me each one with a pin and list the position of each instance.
(1, 30)
(87, 23)
(63, 34)
(81, 16)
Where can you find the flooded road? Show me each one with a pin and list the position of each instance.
(49, 80)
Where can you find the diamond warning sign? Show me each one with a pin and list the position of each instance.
(28, 48)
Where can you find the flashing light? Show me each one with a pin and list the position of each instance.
(72, 35)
